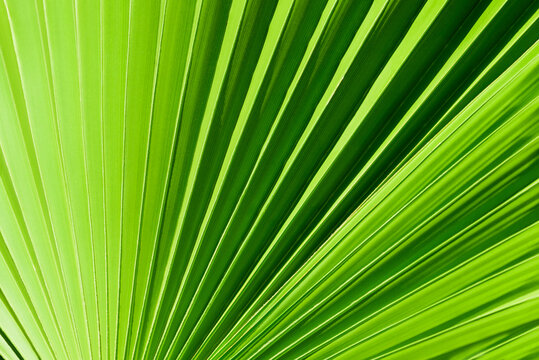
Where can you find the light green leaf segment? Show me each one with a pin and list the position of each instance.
(269, 179)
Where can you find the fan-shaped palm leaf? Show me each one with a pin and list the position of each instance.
(255, 179)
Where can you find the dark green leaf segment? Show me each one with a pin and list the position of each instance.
(269, 179)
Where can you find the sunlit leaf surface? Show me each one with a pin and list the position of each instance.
(269, 179)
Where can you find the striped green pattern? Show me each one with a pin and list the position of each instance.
(269, 179)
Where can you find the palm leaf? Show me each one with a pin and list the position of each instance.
(252, 179)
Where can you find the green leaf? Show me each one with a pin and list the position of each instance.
(252, 179)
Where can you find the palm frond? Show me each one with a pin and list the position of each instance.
(253, 179)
